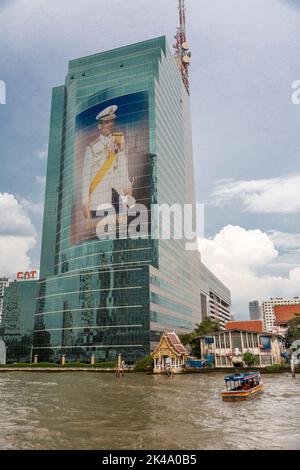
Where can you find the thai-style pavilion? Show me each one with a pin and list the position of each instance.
(170, 353)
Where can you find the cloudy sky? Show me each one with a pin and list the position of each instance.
(246, 128)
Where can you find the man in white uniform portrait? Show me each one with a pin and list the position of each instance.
(105, 170)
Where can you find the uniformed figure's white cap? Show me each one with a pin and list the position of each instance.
(107, 113)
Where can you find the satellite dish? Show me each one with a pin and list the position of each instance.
(185, 46)
(186, 59)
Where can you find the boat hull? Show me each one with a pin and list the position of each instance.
(241, 395)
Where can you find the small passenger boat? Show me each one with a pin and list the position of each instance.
(242, 386)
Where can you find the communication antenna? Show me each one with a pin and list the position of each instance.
(182, 52)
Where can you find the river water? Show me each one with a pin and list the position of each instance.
(99, 411)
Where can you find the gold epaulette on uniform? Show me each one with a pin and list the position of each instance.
(119, 140)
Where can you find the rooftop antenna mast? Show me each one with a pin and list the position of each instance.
(182, 53)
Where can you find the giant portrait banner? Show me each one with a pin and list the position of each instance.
(111, 161)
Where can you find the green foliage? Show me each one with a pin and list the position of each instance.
(27, 364)
(274, 368)
(106, 365)
(187, 338)
(293, 332)
(250, 359)
(75, 364)
(145, 364)
(206, 327)
(42, 364)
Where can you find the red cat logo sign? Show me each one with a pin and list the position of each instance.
(27, 275)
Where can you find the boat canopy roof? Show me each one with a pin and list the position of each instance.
(241, 377)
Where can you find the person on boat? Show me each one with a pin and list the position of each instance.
(245, 386)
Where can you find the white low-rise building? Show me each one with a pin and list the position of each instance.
(227, 348)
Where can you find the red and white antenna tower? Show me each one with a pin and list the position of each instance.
(182, 53)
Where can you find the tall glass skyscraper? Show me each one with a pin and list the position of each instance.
(120, 128)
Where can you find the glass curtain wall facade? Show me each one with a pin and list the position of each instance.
(18, 320)
(175, 284)
(106, 297)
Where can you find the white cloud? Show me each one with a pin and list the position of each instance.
(274, 195)
(236, 246)
(291, 3)
(288, 245)
(55, 21)
(237, 256)
(285, 240)
(14, 254)
(17, 236)
(42, 154)
(14, 220)
(295, 275)
(33, 207)
(41, 181)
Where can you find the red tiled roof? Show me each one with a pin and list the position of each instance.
(251, 325)
(176, 343)
(285, 313)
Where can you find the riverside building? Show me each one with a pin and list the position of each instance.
(227, 348)
(268, 310)
(283, 315)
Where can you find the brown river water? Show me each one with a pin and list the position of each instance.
(99, 411)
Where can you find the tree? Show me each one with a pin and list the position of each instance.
(206, 327)
(249, 359)
(293, 331)
(145, 364)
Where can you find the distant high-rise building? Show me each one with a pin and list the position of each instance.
(215, 298)
(254, 310)
(268, 309)
(4, 283)
(18, 320)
